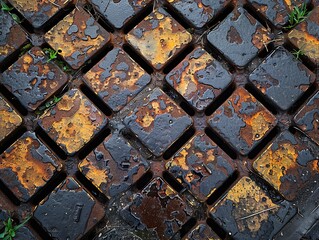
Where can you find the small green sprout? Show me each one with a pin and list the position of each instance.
(15, 17)
(298, 53)
(298, 15)
(48, 105)
(52, 54)
(5, 7)
(10, 230)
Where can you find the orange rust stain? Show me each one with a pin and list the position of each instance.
(58, 35)
(160, 44)
(181, 158)
(248, 199)
(306, 42)
(9, 119)
(96, 175)
(32, 174)
(273, 165)
(76, 127)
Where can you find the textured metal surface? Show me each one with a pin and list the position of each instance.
(281, 71)
(242, 121)
(69, 212)
(9, 119)
(199, 78)
(306, 36)
(198, 12)
(307, 119)
(160, 208)
(201, 166)
(239, 37)
(113, 166)
(38, 12)
(9, 43)
(157, 121)
(289, 165)
(27, 165)
(32, 79)
(247, 212)
(78, 36)
(117, 79)
(158, 38)
(277, 11)
(73, 122)
(118, 13)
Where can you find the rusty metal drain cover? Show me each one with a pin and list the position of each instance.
(159, 119)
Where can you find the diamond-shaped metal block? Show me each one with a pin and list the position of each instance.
(117, 79)
(242, 121)
(78, 37)
(157, 121)
(32, 79)
(282, 78)
(158, 38)
(69, 212)
(159, 208)
(239, 37)
(289, 165)
(72, 122)
(201, 166)
(26, 166)
(199, 78)
(113, 166)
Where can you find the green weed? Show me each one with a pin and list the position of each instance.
(298, 15)
(10, 230)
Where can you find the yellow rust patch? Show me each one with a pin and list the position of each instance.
(158, 45)
(32, 164)
(251, 206)
(73, 122)
(75, 39)
(273, 165)
(9, 119)
(96, 175)
(306, 42)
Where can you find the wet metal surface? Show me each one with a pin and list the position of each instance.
(242, 121)
(9, 119)
(38, 12)
(306, 36)
(157, 121)
(198, 12)
(199, 78)
(239, 37)
(69, 212)
(32, 79)
(307, 119)
(117, 79)
(113, 166)
(246, 212)
(158, 38)
(119, 12)
(276, 11)
(73, 122)
(201, 166)
(202, 232)
(26, 166)
(9, 43)
(78, 36)
(289, 164)
(282, 78)
(159, 208)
